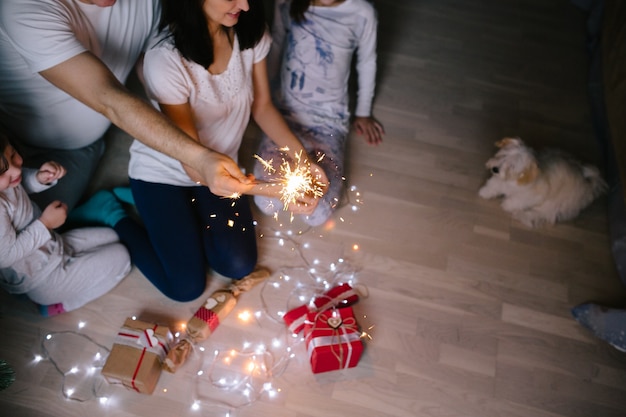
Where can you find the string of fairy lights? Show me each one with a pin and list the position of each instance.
(227, 377)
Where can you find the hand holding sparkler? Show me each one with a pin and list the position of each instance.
(299, 187)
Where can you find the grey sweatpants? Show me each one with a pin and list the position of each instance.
(94, 263)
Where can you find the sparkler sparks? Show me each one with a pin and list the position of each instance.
(296, 182)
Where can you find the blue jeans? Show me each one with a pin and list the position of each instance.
(187, 230)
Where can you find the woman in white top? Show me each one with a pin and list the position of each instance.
(208, 75)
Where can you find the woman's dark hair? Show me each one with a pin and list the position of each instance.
(297, 9)
(190, 29)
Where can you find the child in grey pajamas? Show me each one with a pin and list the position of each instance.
(60, 272)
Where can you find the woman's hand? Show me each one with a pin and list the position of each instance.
(224, 177)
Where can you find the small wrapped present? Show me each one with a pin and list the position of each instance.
(342, 295)
(137, 354)
(333, 340)
(208, 317)
(177, 355)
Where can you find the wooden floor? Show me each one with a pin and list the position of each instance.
(469, 311)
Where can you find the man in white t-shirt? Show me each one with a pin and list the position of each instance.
(64, 63)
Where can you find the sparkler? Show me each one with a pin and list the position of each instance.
(296, 182)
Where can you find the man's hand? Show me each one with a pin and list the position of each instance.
(49, 172)
(223, 176)
(54, 215)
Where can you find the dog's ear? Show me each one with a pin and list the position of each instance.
(529, 174)
(508, 141)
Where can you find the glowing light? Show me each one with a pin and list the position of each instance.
(48, 337)
(74, 370)
(245, 316)
(195, 406)
(296, 182)
(231, 223)
(103, 400)
(70, 392)
(355, 247)
(81, 324)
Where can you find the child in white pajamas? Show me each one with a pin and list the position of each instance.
(60, 272)
(314, 42)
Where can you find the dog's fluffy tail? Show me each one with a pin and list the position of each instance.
(597, 184)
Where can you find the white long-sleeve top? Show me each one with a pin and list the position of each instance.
(313, 59)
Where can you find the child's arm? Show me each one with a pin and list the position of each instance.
(37, 180)
(274, 126)
(364, 123)
(15, 244)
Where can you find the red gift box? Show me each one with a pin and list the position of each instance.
(333, 340)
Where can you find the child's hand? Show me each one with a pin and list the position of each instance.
(54, 215)
(307, 203)
(370, 128)
(49, 172)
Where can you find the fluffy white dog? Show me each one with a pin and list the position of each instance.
(540, 188)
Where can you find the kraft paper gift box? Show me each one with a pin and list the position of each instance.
(208, 317)
(137, 354)
(333, 340)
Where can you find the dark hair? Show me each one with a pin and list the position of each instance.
(4, 142)
(297, 9)
(190, 29)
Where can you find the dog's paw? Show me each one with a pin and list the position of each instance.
(532, 219)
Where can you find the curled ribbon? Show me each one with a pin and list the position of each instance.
(343, 331)
(342, 294)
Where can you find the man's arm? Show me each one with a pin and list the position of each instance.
(88, 80)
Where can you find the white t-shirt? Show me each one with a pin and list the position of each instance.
(36, 35)
(313, 60)
(221, 105)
